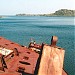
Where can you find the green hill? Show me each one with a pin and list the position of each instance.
(64, 12)
(61, 12)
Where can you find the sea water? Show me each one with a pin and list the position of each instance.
(21, 29)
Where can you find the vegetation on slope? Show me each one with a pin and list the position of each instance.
(65, 12)
(61, 12)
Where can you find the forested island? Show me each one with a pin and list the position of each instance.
(61, 12)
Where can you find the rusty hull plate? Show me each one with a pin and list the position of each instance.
(26, 61)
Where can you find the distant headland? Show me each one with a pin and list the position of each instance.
(61, 12)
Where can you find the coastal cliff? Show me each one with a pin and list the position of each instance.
(61, 12)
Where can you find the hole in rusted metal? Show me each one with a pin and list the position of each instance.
(28, 52)
(22, 46)
(21, 69)
(59, 48)
(0, 38)
(25, 57)
(0, 45)
(22, 62)
(12, 55)
(12, 43)
(7, 44)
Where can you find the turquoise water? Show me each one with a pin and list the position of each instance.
(20, 29)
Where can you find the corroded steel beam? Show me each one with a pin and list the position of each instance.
(52, 59)
(54, 40)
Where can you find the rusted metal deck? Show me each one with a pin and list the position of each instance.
(16, 59)
(25, 61)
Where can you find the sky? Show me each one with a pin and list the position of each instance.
(12, 7)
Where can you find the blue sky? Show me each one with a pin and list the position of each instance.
(12, 7)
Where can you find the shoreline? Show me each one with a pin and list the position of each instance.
(61, 12)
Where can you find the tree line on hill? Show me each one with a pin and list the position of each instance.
(61, 12)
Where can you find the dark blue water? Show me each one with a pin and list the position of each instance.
(41, 29)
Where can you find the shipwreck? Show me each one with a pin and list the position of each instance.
(36, 59)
